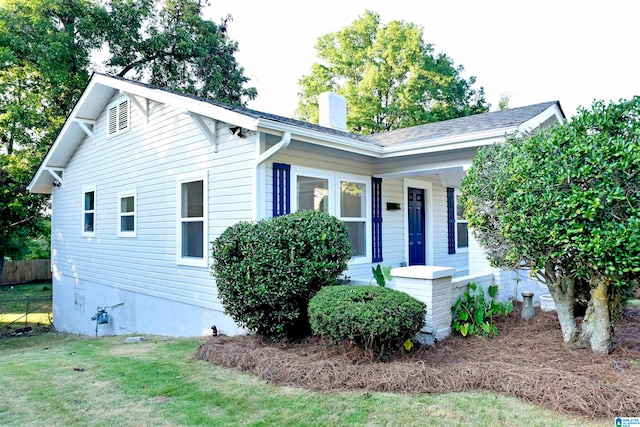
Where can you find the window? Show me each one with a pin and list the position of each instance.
(346, 197)
(127, 214)
(89, 211)
(462, 230)
(353, 211)
(118, 114)
(192, 220)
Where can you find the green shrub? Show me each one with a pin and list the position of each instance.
(266, 272)
(473, 313)
(377, 319)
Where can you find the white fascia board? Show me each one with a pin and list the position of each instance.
(533, 123)
(321, 138)
(202, 108)
(61, 136)
(449, 143)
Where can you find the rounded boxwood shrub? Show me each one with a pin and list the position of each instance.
(266, 272)
(376, 319)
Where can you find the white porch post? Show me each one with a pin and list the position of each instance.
(432, 286)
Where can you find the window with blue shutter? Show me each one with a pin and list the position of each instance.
(451, 220)
(376, 219)
(281, 185)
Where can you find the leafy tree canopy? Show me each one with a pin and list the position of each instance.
(47, 48)
(47, 52)
(21, 213)
(390, 78)
(566, 202)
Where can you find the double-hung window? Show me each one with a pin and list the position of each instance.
(89, 211)
(462, 228)
(192, 220)
(347, 197)
(353, 211)
(127, 224)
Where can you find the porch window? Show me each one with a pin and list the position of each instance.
(89, 212)
(192, 221)
(462, 230)
(346, 197)
(127, 214)
(353, 212)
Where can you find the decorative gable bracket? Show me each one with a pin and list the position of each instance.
(134, 101)
(210, 134)
(56, 173)
(84, 125)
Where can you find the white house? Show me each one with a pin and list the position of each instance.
(142, 179)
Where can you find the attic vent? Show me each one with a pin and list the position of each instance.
(118, 117)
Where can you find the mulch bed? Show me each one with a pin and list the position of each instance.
(527, 360)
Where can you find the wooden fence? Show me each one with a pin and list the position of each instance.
(31, 270)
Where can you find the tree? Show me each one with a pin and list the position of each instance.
(390, 78)
(565, 202)
(21, 213)
(46, 47)
(173, 47)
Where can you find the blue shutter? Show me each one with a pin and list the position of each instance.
(376, 219)
(281, 185)
(451, 223)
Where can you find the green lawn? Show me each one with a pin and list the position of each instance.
(67, 380)
(16, 300)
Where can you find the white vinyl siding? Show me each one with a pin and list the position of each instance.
(150, 160)
(118, 117)
(127, 217)
(89, 211)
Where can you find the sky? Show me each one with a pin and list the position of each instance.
(532, 51)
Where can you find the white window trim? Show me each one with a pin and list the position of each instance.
(180, 260)
(117, 104)
(456, 194)
(334, 179)
(85, 190)
(120, 214)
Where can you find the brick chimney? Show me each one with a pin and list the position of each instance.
(333, 110)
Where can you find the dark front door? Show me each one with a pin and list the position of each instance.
(416, 227)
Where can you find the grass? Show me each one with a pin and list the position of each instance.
(13, 305)
(67, 380)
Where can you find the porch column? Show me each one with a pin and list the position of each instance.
(431, 285)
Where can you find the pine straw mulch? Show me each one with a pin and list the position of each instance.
(527, 360)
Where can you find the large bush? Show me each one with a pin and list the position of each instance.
(266, 272)
(376, 319)
(565, 202)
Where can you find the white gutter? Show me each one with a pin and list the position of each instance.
(260, 188)
(282, 144)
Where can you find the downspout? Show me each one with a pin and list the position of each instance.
(283, 143)
(261, 158)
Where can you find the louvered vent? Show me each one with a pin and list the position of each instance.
(118, 117)
(113, 120)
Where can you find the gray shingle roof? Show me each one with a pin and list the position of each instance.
(512, 117)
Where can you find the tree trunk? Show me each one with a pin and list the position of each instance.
(562, 289)
(596, 326)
